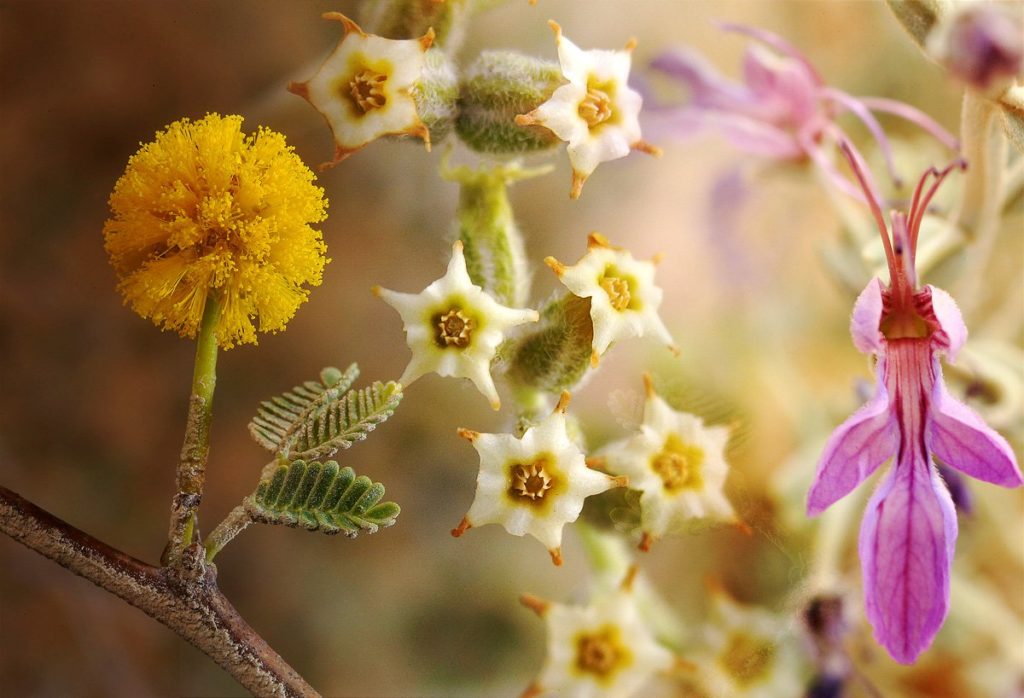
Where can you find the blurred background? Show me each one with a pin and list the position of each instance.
(93, 398)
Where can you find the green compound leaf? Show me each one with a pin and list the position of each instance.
(321, 497)
(316, 420)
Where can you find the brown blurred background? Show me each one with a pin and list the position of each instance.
(92, 398)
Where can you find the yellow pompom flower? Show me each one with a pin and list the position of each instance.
(205, 211)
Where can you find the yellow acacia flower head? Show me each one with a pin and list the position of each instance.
(205, 211)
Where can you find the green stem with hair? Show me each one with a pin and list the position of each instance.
(191, 473)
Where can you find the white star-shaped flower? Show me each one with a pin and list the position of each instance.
(748, 652)
(454, 327)
(364, 88)
(596, 112)
(535, 484)
(623, 298)
(677, 464)
(602, 650)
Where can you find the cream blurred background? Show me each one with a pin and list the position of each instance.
(93, 398)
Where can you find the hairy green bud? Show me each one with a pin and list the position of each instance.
(436, 94)
(555, 356)
(495, 89)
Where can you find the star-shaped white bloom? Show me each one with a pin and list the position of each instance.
(748, 652)
(364, 88)
(596, 112)
(602, 650)
(677, 464)
(623, 298)
(535, 484)
(454, 327)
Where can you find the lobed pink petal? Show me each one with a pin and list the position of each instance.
(776, 42)
(783, 92)
(950, 320)
(756, 137)
(855, 450)
(866, 318)
(906, 550)
(961, 439)
(708, 88)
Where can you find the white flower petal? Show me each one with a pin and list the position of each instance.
(596, 113)
(631, 656)
(471, 323)
(632, 283)
(648, 459)
(549, 455)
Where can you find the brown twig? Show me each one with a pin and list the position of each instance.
(189, 604)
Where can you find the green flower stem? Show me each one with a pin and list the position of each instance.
(986, 149)
(980, 147)
(233, 524)
(493, 245)
(191, 473)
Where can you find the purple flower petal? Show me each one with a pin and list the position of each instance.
(855, 450)
(776, 42)
(950, 320)
(757, 137)
(906, 549)
(866, 318)
(961, 439)
(958, 488)
(783, 91)
(708, 88)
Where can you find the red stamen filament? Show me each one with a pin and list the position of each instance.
(919, 206)
(895, 272)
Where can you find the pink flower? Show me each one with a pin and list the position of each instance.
(909, 530)
(784, 110)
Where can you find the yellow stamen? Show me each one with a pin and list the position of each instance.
(367, 90)
(596, 107)
(454, 329)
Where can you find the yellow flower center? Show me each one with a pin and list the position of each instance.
(601, 652)
(530, 481)
(596, 107)
(617, 290)
(678, 465)
(620, 289)
(746, 658)
(454, 329)
(367, 90)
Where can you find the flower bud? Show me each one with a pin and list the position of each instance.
(496, 88)
(409, 19)
(981, 44)
(556, 356)
(436, 94)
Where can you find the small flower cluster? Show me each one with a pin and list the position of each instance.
(371, 87)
